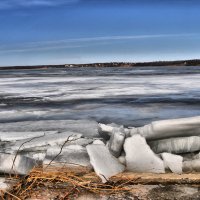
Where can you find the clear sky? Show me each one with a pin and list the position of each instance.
(84, 31)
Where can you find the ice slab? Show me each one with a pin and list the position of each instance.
(44, 141)
(88, 128)
(14, 136)
(22, 165)
(176, 145)
(169, 128)
(116, 142)
(103, 162)
(139, 156)
(70, 155)
(173, 162)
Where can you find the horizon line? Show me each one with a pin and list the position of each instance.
(111, 62)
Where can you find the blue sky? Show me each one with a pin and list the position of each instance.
(84, 31)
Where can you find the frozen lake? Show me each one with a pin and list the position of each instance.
(129, 96)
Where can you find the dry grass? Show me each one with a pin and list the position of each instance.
(61, 183)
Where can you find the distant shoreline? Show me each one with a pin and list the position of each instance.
(110, 64)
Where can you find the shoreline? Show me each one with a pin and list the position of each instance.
(195, 62)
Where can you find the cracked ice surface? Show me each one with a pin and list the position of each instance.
(128, 96)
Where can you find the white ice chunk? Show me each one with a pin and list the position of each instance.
(105, 131)
(173, 162)
(176, 145)
(169, 128)
(139, 156)
(106, 128)
(116, 142)
(104, 164)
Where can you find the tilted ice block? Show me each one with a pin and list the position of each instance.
(176, 145)
(22, 165)
(70, 155)
(105, 165)
(139, 156)
(116, 142)
(88, 128)
(173, 162)
(169, 128)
